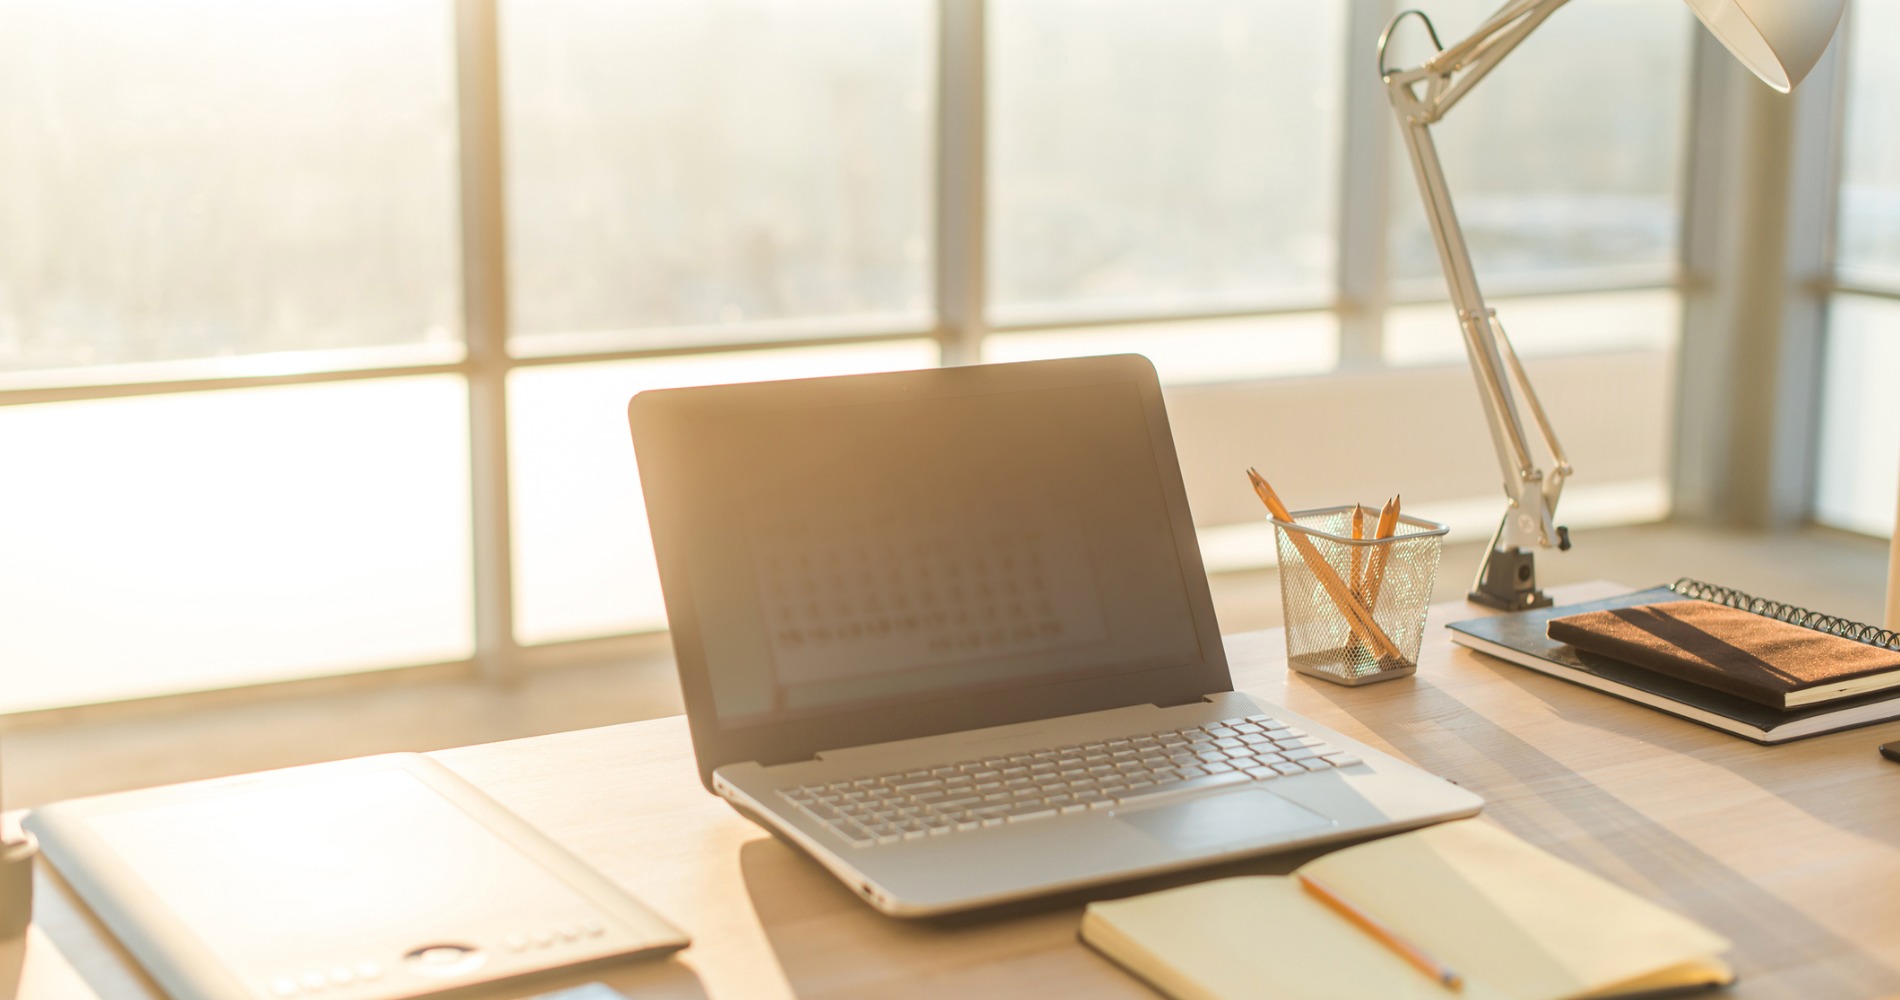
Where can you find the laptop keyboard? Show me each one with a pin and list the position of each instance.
(1040, 784)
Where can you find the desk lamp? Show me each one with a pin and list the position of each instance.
(1778, 40)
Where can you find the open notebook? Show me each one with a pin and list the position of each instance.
(1513, 920)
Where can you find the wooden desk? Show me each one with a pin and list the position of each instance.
(1793, 852)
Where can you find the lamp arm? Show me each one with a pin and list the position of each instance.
(1474, 56)
(1507, 579)
(1559, 462)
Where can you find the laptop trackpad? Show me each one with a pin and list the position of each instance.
(1223, 820)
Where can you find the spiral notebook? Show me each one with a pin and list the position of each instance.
(1520, 638)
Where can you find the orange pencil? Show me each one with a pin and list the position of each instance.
(1375, 573)
(1358, 532)
(1383, 934)
(1388, 518)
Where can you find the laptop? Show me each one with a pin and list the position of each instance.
(948, 631)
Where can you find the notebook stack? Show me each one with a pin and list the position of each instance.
(1758, 669)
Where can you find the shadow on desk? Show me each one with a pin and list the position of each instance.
(12, 957)
(1555, 806)
(1021, 949)
(1825, 776)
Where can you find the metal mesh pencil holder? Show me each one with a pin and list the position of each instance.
(1388, 580)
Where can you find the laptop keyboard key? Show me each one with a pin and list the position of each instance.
(1041, 813)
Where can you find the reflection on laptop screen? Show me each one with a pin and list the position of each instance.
(852, 555)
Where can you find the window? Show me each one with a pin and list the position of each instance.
(1859, 437)
(689, 174)
(209, 181)
(709, 166)
(202, 191)
(250, 434)
(1143, 161)
(202, 539)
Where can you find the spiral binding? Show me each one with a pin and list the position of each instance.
(1730, 597)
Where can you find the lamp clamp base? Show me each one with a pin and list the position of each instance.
(1508, 581)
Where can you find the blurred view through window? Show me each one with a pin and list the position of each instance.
(1143, 160)
(709, 163)
(206, 179)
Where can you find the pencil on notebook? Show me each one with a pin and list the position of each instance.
(1413, 954)
(1356, 614)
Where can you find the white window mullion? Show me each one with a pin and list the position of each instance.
(485, 325)
(1364, 184)
(961, 175)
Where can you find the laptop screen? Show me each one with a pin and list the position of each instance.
(844, 545)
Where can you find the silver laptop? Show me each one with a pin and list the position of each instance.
(949, 632)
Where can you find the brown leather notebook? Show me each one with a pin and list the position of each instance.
(1728, 649)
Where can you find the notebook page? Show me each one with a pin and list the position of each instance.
(1479, 899)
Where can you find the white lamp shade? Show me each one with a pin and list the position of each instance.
(1778, 40)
